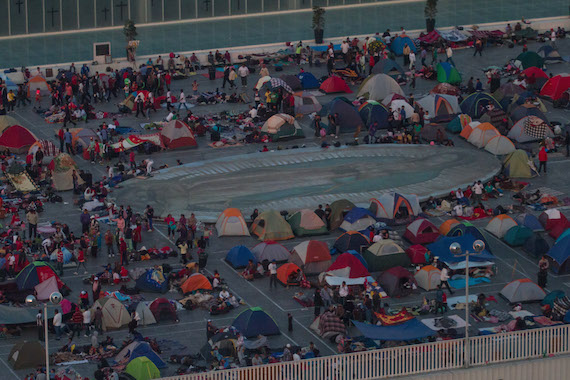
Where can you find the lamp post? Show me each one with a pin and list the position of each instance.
(55, 299)
(456, 250)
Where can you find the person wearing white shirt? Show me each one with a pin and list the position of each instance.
(458, 210)
(149, 164)
(296, 357)
(272, 274)
(182, 100)
(478, 191)
(412, 59)
(243, 72)
(444, 277)
(376, 238)
(343, 292)
(57, 324)
(252, 112)
(170, 116)
(110, 172)
(224, 294)
(87, 321)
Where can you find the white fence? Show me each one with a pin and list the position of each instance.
(407, 360)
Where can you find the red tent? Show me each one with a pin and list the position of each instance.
(17, 139)
(335, 84)
(177, 134)
(421, 231)
(555, 87)
(534, 72)
(416, 253)
(348, 265)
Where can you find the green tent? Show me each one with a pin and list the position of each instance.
(530, 59)
(385, 254)
(516, 236)
(142, 368)
(307, 223)
(447, 73)
(282, 126)
(27, 355)
(270, 225)
(518, 165)
(456, 125)
(339, 209)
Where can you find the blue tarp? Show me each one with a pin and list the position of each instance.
(410, 330)
(308, 80)
(239, 256)
(441, 249)
(459, 283)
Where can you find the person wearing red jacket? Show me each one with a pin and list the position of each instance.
(76, 322)
(542, 158)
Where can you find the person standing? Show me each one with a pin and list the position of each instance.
(243, 72)
(423, 56)
(60, 261)
(139, 101)
(542, 158)
(406, 52)
(96, 290)
(132, 160)
(98, 319)
(109, 242)
(169, 101)
(80, 260)
(123, 252)
(412, 57)
(477, 192)
(40, 325)
(67, 136)
(57, 324)
(149, 214)
(182, 100)
(543, 265)
(317, 302)
(444, 278)
(449, 54)
(32, 217)
(478, 47)
(272, 274)
(232, 78)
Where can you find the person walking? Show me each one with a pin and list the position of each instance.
(543, 266)
(542, 158)
(444, 278)
(40, 325)
(32, 218)
(478, 47)
(449, 54)
(182, 100)
(412, 58)
(272, 274)
(232, 78)
(243, 72)
(80, 261)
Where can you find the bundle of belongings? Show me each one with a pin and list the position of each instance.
(560, 308)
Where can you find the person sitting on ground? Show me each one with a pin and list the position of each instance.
(491, 191)
(249, 271)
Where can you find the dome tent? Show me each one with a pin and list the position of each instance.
(358, 219)
(530, 59)
(393, 280)
(447, 73)
(62, 167)
(26, 354)
(523, 290)
(270, 225)
(500, 145)
(421, 231)
(517, 235)
(441, 108)
(536, 245)
(162, 309)
(196, 281)
(388, 67)
(482, 134)
(348, 117)
(552, 218)
(285, 271)
(348, 265)
(335, 84)
(152, 280)
(475, 104)
(270, 250)
(306, 104)
(139, 349)
(527, 109)
(308, 80)
(378, 86)
(306, 223)
(255, 321)
(239, 256)
(556, 86)
(292, 81)
(428, 277)
(312, 256)
(530, 128)
(231, 223)
(398, 43)
(7, 121)
(385, 254)
(559, 256)
(35, 273)
(530, 221)
(447, 226)
(395, 208)
(339, 209)
(17, 139)
(500, 224)
(417, 254)
(282, 126)
(115, 314)
(371, 111)
(177, 134)
(518, 165)
(142, 368)
(351, 240)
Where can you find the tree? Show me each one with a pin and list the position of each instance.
(318, 23)
(430, 11)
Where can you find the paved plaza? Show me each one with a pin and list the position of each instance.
(286, 178)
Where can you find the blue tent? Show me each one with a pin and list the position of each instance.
(559, 253)
(388, 67)
(441, 249)
(67, 256)
(536, 246)
(152, 281)
(357, 213)
(359, 257)
(552, 296)
(10, 85)
(397, 45)
(348, 117)
(475, 104)
(138, 349)
(372, 111)
(530, 221)
(410, 330)
(466, 228)
(254, 321)
(239, 256)
(308, 80)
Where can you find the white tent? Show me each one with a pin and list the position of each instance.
(500, 145)
(377, 87)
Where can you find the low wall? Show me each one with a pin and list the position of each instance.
(541, 25)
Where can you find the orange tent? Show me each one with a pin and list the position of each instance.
(195, 282)
(447, 225)
(38, 82)
(285, 270)
(482, 134)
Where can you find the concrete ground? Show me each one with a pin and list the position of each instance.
(190, 331)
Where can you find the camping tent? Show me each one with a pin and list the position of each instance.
(282, 126)
(45, 289)
(518, 165)
(530, 59)
(35, 83)
(348, 265)
(371, 111)
(152, 280)
(176, 134)
(441, 108)
(441, 249)
(389, 67)
(239, 256)
(286, 270)
(395, 208)
(447, 73)
(482, 134)
(270, 225)
(306, 223)
(421, 231)
(428, 277)
(563, 235)
(36, 273)
(475, 104)
(26, 354)
(559, 256)
(17, 139)
(292, 81)
(254, 321)
(378, 86)
(358, 219)
(398, 43)
(196, 281)
(552, 218)
(530, 128)
(335, 84)
(393, 281)
(308, 80)
(145, 315)
(500, 145)
(527, 109)
(62, 167)
(530, 221)
(351, 240)
(417, 253)
(385, 254)
(536, 245)
(312, 256)
(115, 314)
(142, 368)
(549, 54)
(522, 290)
(162, 309)
(467, 129)
(231, 223)
(556, 86)
(139, 349)
(500, 224)
(348, 117)
(339, 209)
(81, 137)
(7, 121)
(306, 104)
(516, 236)
(447, 226)
(270, 250)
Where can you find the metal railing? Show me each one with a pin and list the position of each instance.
(407, 360)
